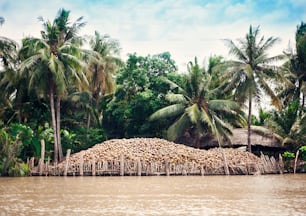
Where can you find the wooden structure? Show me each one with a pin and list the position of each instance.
(122, 167)
(153, 156)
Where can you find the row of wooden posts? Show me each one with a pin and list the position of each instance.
(123, 167)
(114, 167)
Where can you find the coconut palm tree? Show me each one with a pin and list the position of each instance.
(101, 70)
(294, 71)
(289, 125)
(195, 107)
(8, 52)
(8, 71)
(54, 62)
(251, 72)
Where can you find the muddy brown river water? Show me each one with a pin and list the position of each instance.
(158, 195)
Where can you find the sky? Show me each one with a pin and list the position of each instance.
(185, 28)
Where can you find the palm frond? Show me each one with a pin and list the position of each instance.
(168, 111)
(288, 140)
(176, 98)
(178, 127)
(263, 131)
(234, 50)
(207, 119)
(275, 100)
(193, 113)
(223, 105)
(174, 86)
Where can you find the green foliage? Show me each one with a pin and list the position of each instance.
(196, 103)
(288, 155)
(11, 146)
(300, 38)
(44, 132)
(262, 117)
(18, 169)
(289, 125)
(195, 109)
(82, 138)
(303, 152)
(25, 135)
(140, 91)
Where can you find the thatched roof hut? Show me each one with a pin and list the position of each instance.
(239, 138)
(260, 139)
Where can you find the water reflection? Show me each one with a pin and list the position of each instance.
(174, 195)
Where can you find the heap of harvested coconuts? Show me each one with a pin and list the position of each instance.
(155, 150)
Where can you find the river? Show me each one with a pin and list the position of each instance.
(156, 195)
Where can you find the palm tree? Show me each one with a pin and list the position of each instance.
(294, 71)
(8, 52)
(8, 71)
(101, 70)
(250, 73)
(300, 38)
(54, 62)
(195, 107)
(289, 125)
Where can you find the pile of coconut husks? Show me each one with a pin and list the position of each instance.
(152, 156)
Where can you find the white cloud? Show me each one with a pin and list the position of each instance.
(183, 28)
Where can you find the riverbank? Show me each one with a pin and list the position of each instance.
(153, 156)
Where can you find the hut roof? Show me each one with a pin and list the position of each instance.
(259, 137)
(268, 139)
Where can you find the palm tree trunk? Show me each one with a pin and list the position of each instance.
(58, 127)
(51, 95)
(249, 124)
(19, 115)
(303, 102)
(88, 121)
(197, 141)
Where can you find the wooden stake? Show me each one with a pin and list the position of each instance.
(82, 164)
(47, 166)
(42, 156)
(280, 164)
(138, 167)
(295, 161)
(167, 167)
(67, 162)
(31, 165)
(121, 165)
(202, 172)
(93, 167)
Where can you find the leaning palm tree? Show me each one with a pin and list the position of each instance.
(195, 107)
(54, 62)
(251, 72)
